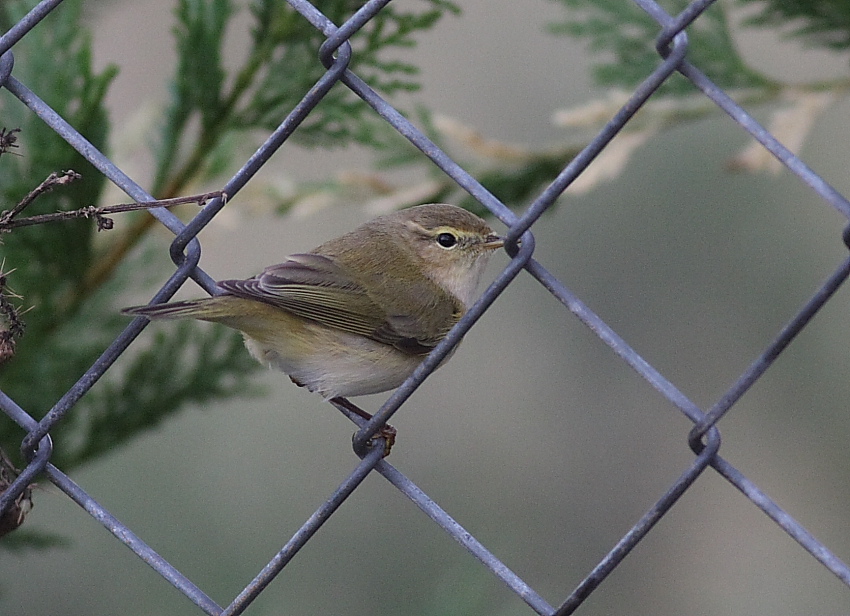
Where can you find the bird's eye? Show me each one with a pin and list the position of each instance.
(447, 240)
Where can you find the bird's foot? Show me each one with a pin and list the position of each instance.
(387, 432)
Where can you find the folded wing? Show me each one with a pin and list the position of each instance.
(318, 288)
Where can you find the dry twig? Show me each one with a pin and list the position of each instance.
(8, 222)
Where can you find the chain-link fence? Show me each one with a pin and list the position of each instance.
(335, 54)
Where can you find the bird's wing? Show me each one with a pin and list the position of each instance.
(317, 288)
(313, 287)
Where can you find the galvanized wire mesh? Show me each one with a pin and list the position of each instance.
(335, 54)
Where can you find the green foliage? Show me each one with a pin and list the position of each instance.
(625, 35)
(76, 93)
(278, 69)
(182, 363)
(513, 183)
(50, 261)
(71, 278)
(821, 22)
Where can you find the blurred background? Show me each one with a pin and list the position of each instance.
(535, 438)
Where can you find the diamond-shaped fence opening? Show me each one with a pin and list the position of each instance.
(704, 436)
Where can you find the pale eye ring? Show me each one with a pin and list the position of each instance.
(446, 240)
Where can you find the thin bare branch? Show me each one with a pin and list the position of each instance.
(57, 178)
(7, 223)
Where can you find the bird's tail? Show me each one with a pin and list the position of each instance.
(206, 309)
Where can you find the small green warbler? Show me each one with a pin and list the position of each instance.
(359, 313)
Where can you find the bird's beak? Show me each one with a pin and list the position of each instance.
(493, 242)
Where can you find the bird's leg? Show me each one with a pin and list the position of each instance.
(387, 432)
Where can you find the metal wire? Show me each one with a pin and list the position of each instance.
(704, 438)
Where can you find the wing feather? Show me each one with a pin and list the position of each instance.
(318, 288)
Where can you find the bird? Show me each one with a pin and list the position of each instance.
(357, 314)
